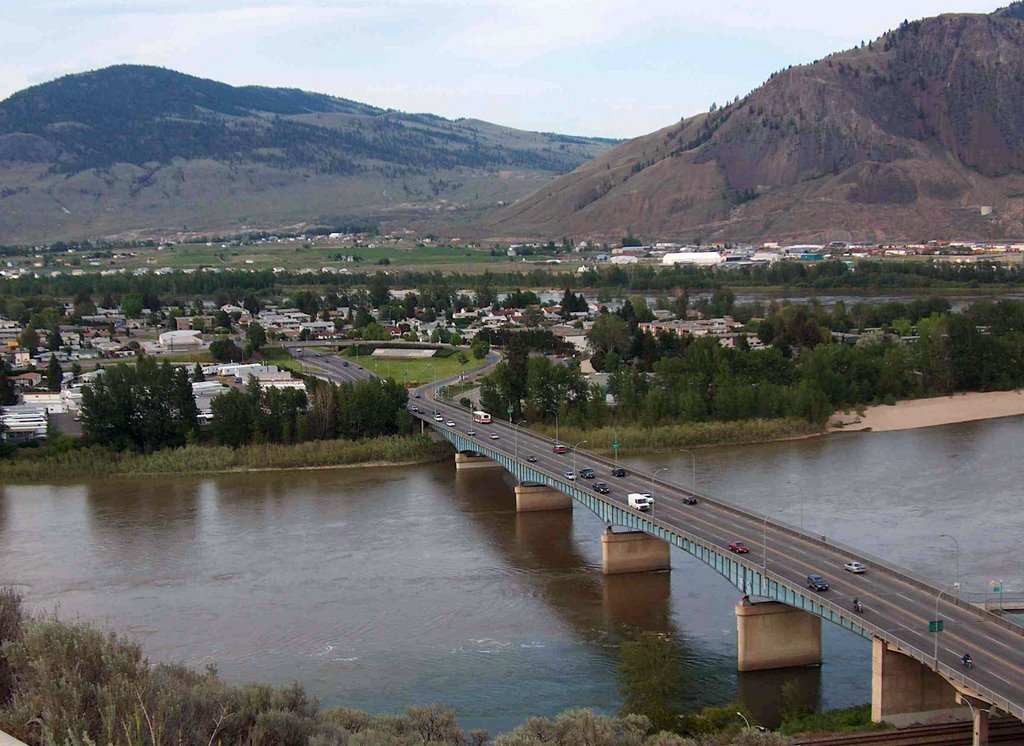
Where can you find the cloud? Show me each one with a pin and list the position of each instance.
(615, 67)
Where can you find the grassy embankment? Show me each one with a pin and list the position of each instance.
(55, 463)
(636, 438)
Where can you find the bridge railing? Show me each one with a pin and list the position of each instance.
(835, 611)
(853, 553)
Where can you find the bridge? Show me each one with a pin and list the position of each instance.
(917, 674)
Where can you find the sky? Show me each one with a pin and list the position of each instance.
(612, 68)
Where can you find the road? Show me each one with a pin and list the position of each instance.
(331, 367)
(894, 601)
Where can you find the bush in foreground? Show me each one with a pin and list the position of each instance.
(72, 684)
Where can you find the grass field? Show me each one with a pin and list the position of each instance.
(420, 371)
(297, 256)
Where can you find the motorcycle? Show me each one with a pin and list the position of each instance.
(968, 661)
(858, 606)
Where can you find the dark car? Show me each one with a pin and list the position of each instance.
(601, 487)
(618, 471)
(690, 500)
(587, 473)
(739, 547)
(817, 583)
(344, 363)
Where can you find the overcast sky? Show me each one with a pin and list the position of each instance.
(617, 68)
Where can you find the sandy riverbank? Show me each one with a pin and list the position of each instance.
(943, 410)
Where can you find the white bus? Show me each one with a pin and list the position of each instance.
(481, 417)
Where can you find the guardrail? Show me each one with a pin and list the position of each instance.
(956, 677)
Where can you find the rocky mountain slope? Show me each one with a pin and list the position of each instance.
(143, 149)
(908, 137)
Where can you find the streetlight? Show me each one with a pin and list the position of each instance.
(656, 472)
(555, 413)
(800, 488)
(745, 721)
(764, 538)
(957, 561)
(515, 432)
(693, 468)
(936, 621)
(574, 457)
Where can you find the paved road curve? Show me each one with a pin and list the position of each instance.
(895, 602)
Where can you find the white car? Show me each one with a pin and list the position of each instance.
(438, 418)
(855, 567)
(570, 476)
(494, 436)
(450, 423)
(471, 432)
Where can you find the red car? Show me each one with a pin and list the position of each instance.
(559, 448)
(739, 547)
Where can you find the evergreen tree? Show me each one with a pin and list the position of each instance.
(54, 374)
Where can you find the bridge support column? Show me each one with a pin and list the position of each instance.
(473, 461)
(633, 551)
(903, 691)
(532, 497)
(773, 635)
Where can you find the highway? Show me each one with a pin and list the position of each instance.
(331, 367)
(895, 602)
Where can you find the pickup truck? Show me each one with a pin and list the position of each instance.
(639, 501)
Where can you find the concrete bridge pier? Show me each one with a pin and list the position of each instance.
(773, 635)
(473, 460)
(904, 692)
(532, 497)
(633, 551)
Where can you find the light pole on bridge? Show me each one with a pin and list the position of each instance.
(515, 432)
(956, 561)
(764, 539)
(937, 624)
(555, 413)
(574, 457)
(655, 474)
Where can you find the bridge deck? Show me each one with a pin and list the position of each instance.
(898, 605)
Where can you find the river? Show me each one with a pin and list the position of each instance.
(379, 588)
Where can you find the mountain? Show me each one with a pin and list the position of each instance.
(137, 149)
(907, 137)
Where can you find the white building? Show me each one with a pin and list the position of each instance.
(182, 339)
(700, 258)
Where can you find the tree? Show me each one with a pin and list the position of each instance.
(131, 305)
(256, 335)
(650, 677)
(225, 350)
(233, 418)
(54, 374)
(29, 339)
(479, 347)
(7, 393)
(197, 375)
(53, 340)
(142, 407)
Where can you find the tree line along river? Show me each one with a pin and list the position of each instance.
(379, 588)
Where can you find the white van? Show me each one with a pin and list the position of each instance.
(639, 501)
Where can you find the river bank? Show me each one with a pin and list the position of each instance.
(660, 438)
(945, 410)
(54, 464)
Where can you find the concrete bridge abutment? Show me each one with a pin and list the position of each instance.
(904, 691)
(773, 635)
(531, 497)
(633, 551)
(471, 460)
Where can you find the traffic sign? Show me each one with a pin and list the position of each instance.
(936, 626)
(997, 586)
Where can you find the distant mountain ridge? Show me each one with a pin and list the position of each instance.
(919, 134)
(119, 149)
